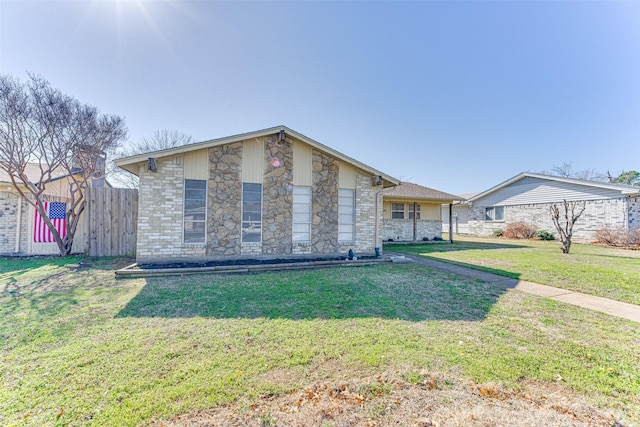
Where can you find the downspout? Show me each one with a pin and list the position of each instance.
(19, 223)
(377, 232)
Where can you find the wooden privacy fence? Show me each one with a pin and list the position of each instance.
(110, 220)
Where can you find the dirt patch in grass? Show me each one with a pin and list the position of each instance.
(410, 399)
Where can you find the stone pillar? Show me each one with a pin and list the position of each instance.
(277, 197)
(324, 218)
(224, 204)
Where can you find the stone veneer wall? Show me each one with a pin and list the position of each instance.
(402, 229)
(160, 213)
(324, 202)
(224, 204)
(598, 214)
(277, 197)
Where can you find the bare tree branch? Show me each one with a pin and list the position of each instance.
(65, 138)
(572, 211)
(160, 140)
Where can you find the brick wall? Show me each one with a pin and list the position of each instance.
(402, 229)
(598, 214)
(8, 224)
(366, 214)
(8, 214)
(160, 214)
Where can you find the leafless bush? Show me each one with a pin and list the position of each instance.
(520, 230)
(615, 237)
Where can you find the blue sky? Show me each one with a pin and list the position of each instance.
(458, 96)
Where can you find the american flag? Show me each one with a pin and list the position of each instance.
(57, 213)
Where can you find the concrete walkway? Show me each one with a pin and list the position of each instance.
(604, 305)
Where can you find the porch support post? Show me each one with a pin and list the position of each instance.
(450, 222)
(415, 221)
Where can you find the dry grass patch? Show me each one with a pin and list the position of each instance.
(410, 399)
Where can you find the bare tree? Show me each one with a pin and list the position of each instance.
(160, 140)
(40, 125)
(564, 223)
(566, 170)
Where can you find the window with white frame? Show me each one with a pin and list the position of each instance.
(494, 213)
(410, 209)
(397, 210)
(301, 214)
(251, 212)
(195, 210)
(346, 215)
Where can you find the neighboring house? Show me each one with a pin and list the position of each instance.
(413, 212)
(18, 218)
(460, 213)
(527, 197)
(269, 193)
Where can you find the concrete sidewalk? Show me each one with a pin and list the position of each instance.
(604, 305)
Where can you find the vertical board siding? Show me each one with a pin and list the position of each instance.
(430, 211)
(302, 168)
(196, 164)
(347, 176)
(111, 215)
(253, 161)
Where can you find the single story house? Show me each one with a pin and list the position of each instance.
(413, 212)
(268, 193)
(528, 196)
(19, 222)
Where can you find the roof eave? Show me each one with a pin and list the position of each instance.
(424, 199)
(130, 163)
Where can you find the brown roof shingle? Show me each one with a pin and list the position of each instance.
(409, 190)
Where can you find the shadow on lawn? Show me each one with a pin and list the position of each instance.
(460, 245)
(407, 292)
(52, 289)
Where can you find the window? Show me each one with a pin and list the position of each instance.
(410, 208)
(251, 212)
(195, 210)
(346, 215)
(494, 213)
(301, 214)
(397, 210)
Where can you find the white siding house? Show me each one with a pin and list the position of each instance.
(528, 196)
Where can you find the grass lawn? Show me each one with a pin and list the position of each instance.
(596, 270)
(394, 343)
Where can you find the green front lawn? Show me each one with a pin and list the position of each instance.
(78, 347)
(595, 270)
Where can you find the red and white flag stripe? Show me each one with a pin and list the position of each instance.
(57, 213)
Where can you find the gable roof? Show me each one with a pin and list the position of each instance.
(33, 172)
(409, 190)
(128, 163)
(623, 189)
